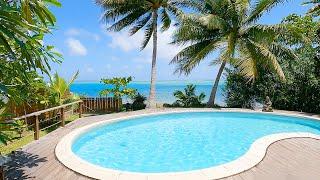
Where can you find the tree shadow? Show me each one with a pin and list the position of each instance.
(20, 161)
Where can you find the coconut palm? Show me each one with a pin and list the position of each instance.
(315, 10)
(188, 97)
(230, 27)
(141, 15)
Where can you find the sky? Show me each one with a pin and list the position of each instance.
(81, 37)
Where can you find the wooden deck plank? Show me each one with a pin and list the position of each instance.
(294, 159)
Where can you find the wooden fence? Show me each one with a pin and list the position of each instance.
(101, 104)
(55, 116)
(44, 119)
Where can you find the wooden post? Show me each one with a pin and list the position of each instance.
(118, 104)
(1, 172)
(62, 117)
(80, 109)
(36, 128)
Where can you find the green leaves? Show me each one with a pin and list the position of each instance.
(315, 10)
(22, 26)
(188, 97)
(136, 15)
(118, 87)
(61, 87)
(299, 93)
(165, 19)
(260, 7)
(239, 39)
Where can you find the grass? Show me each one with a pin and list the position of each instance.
(18, 142)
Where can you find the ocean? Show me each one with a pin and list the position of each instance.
(164, 89)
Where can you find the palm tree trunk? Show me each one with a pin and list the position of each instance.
(215, 86)
(152, 95)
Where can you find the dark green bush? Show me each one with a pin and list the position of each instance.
(138, 102)
(187, 98)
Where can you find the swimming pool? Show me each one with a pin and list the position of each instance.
(210, 142)
(181, 141)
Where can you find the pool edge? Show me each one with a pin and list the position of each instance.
(251, 158)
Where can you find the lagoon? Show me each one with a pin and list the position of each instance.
(164, 89)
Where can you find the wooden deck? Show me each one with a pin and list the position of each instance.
(290, 159)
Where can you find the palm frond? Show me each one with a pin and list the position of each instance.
(260, 32)
(140, 24)
(242, 7)
(147, 34)
(192, 55)
(165, 19)
(270, 58)
(260, 7)
(315, 10)
(126, 21)
(213, 22)
(247, 63)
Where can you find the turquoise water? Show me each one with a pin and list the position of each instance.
(181, 141)
(164, 89)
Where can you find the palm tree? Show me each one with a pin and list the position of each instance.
(315, 10)
(61, 87)
(230, 27)
(141, 14)
(188, 97)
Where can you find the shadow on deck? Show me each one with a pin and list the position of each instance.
(21, 162)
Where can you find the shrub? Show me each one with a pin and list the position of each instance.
(187, 98)
(138, 102)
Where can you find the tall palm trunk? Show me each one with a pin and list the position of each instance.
(215, 86)
(152, 95)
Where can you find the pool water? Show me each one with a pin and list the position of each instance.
(181, 141)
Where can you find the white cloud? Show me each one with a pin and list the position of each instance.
(123, 41)
(72, 32)
(81, 32)
(75, 47)
(128, 43)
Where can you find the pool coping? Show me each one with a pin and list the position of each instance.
(251, 158)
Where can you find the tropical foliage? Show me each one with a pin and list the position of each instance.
(4, 128)
(315, 10)
(118, 87)
(20, 126)
(301, 90)
(141, 15)
(188, 97)
(138, 101)
(61, 87)
(230, 28)
(23, 25)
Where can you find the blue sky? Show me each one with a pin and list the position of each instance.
(86, 45)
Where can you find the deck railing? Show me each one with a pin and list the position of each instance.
(45, 119)
(56, 116)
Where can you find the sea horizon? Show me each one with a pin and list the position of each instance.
(164, 89)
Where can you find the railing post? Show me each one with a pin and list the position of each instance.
(1, 172)
(80, 109)
(36, 128)
(62, 117)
